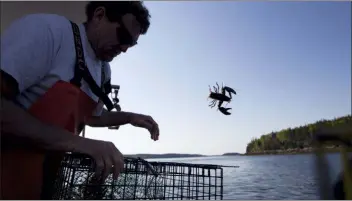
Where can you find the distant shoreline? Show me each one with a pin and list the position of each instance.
(175, 155)
(308, 150)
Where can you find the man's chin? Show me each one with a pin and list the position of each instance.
(107, 58)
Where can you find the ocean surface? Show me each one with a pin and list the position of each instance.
(269, 177)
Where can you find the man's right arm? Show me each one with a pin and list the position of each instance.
(18, 124)
(27, 49)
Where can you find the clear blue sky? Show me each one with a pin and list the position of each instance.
(290, 63)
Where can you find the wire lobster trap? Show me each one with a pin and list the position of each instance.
(140, 180)
(342, 188)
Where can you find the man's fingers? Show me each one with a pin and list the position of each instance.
(156, 131)
(118, 161)
(116, 169)
(107, 169)
(108, 159)
(148, 123)
(99, 167)
(154, 134)
(157, 134)
(119, 167)
(155, 128)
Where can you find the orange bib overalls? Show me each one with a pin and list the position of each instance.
(24, 168)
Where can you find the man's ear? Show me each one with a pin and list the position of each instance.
(99, 13)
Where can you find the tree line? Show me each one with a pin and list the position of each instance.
(297, 138)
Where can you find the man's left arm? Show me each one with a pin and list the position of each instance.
(114, 119)
(107, 119)
(104, 118)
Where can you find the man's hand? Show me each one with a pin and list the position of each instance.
(115, 119)
(108, 159)
(147, 122)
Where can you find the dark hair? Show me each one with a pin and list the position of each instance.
(116, 9)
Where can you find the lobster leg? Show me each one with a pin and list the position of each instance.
(213, 103)
(218, 86)
(215, 90)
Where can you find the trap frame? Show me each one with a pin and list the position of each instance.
(140, 180)
(322, 167)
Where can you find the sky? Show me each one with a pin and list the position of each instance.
(290, 63)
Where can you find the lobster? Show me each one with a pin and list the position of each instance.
(219, 96)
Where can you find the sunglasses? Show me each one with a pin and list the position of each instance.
(124, 36)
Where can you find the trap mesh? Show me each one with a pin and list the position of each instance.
(140, 180)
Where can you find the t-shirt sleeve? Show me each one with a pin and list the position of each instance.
(99, 109)
(27, 49)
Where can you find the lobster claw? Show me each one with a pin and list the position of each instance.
(225, 110)
(229, 89)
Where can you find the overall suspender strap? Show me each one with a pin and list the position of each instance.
(81, 70)
(107, 85)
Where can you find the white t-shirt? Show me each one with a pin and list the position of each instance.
(38, 50)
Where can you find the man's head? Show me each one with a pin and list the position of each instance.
(115, 26)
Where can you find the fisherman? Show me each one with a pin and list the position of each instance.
(55, 76)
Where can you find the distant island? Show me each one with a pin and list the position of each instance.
(232, 154)
(299, 139)
(175, 155)
(170, 155)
